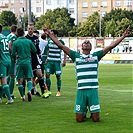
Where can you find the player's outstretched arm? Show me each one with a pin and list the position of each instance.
(116, 42)
(57, 42)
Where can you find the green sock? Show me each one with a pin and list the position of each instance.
(20, 88)
(29, 85)
(45, 80)
(8, 79)
(58, 84)
(48, 83)
(6, 90)
(11, 85)
(1, 91)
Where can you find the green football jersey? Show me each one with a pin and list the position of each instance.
(4, 50)
(86, 68)
(23, 48)
(54, 52)
(11, 37)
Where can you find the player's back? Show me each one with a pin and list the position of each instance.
(4, 50)
(23, 46)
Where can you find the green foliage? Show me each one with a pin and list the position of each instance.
(6, 28)
(7, 18)
(90, 27)
(58, 19)
(121, 26)
(118, 14)
(116, 21)
(110, 28)
(24, 22)
(73, 31)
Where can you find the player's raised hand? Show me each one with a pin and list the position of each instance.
(127, 31)
(46, 30)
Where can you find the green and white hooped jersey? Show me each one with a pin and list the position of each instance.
(86, 69)
(54, 53)
(11, 37)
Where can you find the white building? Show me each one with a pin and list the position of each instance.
(3, 5)
(39, 7)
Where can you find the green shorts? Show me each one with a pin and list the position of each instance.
(43, 66)
(24, 71)
(12, 70)
(4, 69)
(53, 67)
(87, 97)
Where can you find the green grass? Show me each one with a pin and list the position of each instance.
(56, 114)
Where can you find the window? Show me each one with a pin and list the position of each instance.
(12, 9)
(48, 2)
(71, 1)
(12, 1)
(84, 14)
(103, 13)
(71, 10)
(21, 10)
(32, 9)
(59, 2)
(127, 2)
(84, 4)
(94, 4)
(104, 4)
(38, 9)
(130, 2)
(38, 1)
(118, 3)
(21, 1)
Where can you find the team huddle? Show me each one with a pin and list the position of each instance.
(27, 59)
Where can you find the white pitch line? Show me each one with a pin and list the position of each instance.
(98, 89)
(118, 90)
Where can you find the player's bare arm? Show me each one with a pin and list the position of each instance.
(116, 42)
(10, 46)
(58, 43)
(64, 61)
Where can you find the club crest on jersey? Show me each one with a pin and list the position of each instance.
(88, 59)
(84, 60)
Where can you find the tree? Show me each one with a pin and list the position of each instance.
(122, 25)
(89, 27)
(7, 18)
(110, 28)
(116, 21)
(58, 19)
(24, 21)
(73, 31)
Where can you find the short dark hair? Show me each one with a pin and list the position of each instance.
(36, 31)
(55, 32)
(87, 42)
(20, 32)
(13, 28)
(0, 28)
(43, 36)
(30, 24)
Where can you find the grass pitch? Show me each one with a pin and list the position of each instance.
(56, 114)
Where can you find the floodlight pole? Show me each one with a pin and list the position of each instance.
(29, 13)
(100, 19)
